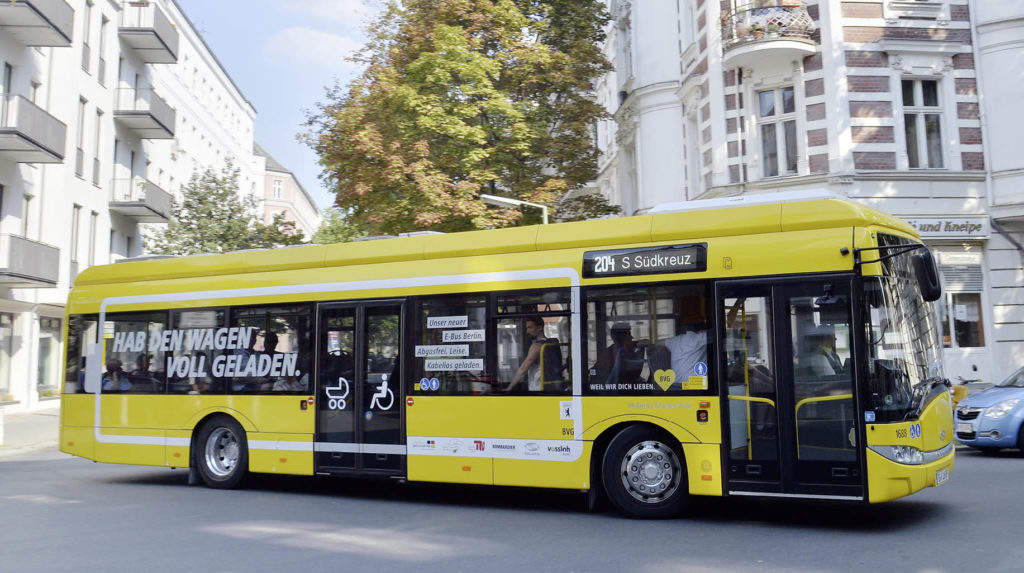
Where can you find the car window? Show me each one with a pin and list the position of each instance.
(1015, 379)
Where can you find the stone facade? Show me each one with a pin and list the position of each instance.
(880, 101)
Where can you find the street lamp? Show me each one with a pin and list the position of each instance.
(509, 202)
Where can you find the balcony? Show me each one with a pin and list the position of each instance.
(758, 32)
(25, 263)
(148, 31)
(37, 22)
(28, 134)
(145, 113)
(140, 199)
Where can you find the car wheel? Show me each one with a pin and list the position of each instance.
(1020, 439)
(222, 455)
(644, 473)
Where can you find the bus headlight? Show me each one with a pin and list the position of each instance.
(1001, 409)
(900, 454)
(910, 455)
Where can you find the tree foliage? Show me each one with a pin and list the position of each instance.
(213, 217)
(458, 98)
(583, 207)
(336, 228)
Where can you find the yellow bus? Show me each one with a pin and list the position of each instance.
(776, 345)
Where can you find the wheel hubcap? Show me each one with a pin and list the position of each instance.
(650, 472)
(221, 452)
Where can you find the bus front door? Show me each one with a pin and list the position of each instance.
(786, 363)
(359, 411)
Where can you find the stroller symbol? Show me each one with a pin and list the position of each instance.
(336, 394)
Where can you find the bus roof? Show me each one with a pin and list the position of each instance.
(712, 218)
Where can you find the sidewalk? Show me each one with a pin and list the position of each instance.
(26, 432)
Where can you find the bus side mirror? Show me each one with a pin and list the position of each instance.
(927, 275)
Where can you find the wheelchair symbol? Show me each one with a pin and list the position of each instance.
(382, 392)
(336, 394)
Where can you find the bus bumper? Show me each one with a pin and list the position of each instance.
(889, 480)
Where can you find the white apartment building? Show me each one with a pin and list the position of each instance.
(903, 105)
(109, 107)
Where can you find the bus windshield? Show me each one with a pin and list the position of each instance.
(904, 348)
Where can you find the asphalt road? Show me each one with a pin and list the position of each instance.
(59, 513)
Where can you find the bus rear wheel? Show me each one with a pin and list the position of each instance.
(644, 474)
(223, 453)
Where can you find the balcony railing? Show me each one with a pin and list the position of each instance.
(144, 112)
(775, 28)
(140, 199)
(25, 263)
(38, 22)
(149, 32)
(28, 134)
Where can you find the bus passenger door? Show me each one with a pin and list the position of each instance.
(788, 382)
(359, 425)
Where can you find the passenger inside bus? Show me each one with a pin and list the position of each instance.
(623, 360)
(115, 379)
(529, 368)
(818, 357)
(689, 347)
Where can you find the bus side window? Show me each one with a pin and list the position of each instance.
(533, 348)
(450, 349)
(648, 339)
(134, 353)
(81, 341)
(274, 352)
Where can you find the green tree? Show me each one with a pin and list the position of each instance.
(583, 207)
(458, 98)
(336, 228)
(280, 232)
(214, 218)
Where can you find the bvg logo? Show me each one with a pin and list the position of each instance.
(478, 445)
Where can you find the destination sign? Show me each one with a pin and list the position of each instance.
(647, 260)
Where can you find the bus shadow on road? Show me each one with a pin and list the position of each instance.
(796, 513)
(816, 513)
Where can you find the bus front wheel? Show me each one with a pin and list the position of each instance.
(644, 473)
(223, 453)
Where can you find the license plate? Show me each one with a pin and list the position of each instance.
(941, 476)
(964, 427)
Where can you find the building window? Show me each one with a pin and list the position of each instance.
(102, 71)
(80, 140)
(277, 188)
(26, 210)
(96, 151)
(6, 351)
(960, 310)
(93, 224)
(76, 220)
(776, 119)
(49, 353)
(86, 32)
(922, 123)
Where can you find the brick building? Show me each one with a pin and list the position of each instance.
(877, 100)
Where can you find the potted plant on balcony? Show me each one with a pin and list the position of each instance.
(742, 31)
(773, 30)
(757, 31)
